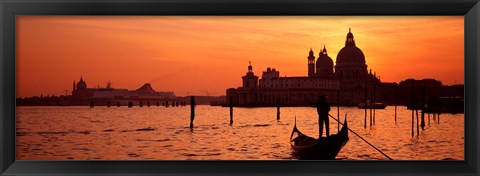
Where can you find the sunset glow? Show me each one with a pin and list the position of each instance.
(206, 55)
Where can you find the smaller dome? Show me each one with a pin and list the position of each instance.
(324, 65)
(324, 61)
(81, 84)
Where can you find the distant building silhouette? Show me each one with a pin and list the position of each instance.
(350, 77)
(81, 85)
(324, 65)
(100, 96)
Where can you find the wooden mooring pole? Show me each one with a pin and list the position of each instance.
(371, 105)
(230, 99)
(396, 102)
(192, 110)
(374, 102)
(418, 129)
(366, 91)
(412, 106)
(413, 116)
(438, 109)
(428, 114)
(438, 117)
(423, 108)
(278, 108)
(338, 110)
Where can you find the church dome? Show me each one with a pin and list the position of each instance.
(324, 64)
(81, 84)
(324, 61)
(350, 53)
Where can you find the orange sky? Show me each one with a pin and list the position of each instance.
(190, 55)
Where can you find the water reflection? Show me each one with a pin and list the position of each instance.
(157, 133)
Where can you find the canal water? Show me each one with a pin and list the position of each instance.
(159, 133)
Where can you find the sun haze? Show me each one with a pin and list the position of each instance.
(194, 55)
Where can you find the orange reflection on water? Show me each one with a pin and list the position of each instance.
(159, 133)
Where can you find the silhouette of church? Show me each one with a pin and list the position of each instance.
(348, 79)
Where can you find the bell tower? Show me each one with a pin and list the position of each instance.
(311, 64)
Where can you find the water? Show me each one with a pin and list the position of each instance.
(159, 133)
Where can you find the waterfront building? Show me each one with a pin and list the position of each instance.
(348, 79)
(81, 94)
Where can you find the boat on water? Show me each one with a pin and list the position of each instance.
(308, 148)
(377, 105)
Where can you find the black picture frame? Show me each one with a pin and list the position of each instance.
(9, 9)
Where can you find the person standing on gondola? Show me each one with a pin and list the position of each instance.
(322, 109)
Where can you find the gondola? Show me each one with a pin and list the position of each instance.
(308, 148)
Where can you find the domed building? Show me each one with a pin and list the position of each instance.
(350, 64)
(351, 70)
(250, 80)
(81, 85)
(324, 65)
(83, 95)
(350, 81)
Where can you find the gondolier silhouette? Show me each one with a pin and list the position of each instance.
(322, 109)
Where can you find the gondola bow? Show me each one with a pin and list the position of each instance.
(327, 148)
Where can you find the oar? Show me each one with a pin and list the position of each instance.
(362, 138)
